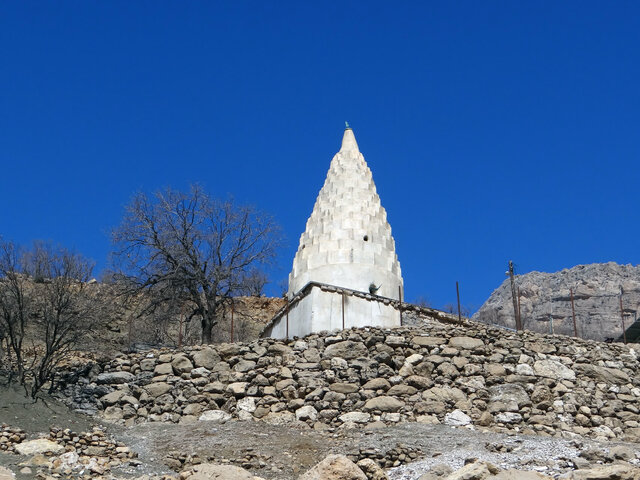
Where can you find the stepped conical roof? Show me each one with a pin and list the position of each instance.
(347, 241)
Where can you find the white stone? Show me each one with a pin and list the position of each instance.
(508, 417)
(355, 417)
(525, 369)
(553, 369)
(40, 445)
(218, 416)
(414, 359)
(457, 418)
(391, 417)
(347, 243)
(69, 459)
(307, 413)
(6, 474)
(199, 372)
(247, 404)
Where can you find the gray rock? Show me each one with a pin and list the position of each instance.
(209, 471)
(377, 384)
(158, 388)
(508, 397)
(347, 350)
(466, 343)
(181, 364)
(335, 467)
(384, 404)
(217, 416)
(307, 413)
(457, 418)
(508, 417)
(355, 417)
(40, 445)
(115, 378)
(603, 374)
(553, 369)
(207, 358)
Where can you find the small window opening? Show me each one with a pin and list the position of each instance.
(366, 238)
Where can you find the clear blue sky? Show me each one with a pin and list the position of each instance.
(495, 130)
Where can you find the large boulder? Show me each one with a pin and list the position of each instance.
(115, 378)
(508, 397)
(513, 474)
(210, 471)
(218, 416)
(457, 418)
(608, 472)
(384, 403)
(181, 364)
(603, 374)
(466, 343)
(334, 467)
(553, 369)
(6, 474)
(40, 445)
(347, 350)
(474, 471)
(157, 388)
(207, 358)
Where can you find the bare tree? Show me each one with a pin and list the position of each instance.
(14, 306)
(42, 299)
(185, 249)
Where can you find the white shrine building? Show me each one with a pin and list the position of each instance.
(346, 272)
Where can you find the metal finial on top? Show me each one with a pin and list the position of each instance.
(347, 125)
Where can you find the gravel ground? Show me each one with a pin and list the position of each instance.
(283, 452)
(288, 451)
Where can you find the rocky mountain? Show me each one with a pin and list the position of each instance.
(545, 301)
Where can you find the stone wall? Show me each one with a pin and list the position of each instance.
(467, 374)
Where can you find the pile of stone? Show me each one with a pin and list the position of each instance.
(479, 470)
(467, 375)
(399, 455)
(247, 458)
(68, 453)
(10, 437)
(94, 444)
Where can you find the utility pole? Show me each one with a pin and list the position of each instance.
(516, 310)
(573, 314)
(458, 295)
(624, 330)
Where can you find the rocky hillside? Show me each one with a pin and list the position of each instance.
(545, 300)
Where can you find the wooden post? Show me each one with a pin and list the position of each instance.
(624, 330)
(519, 310)
(232, 320)
(458, 295)
(400, 304)
(130, 329)
(573, 314)
(516, 309)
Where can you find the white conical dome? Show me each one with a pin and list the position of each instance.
(347, 241)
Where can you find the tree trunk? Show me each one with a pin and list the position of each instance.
(207, 327)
